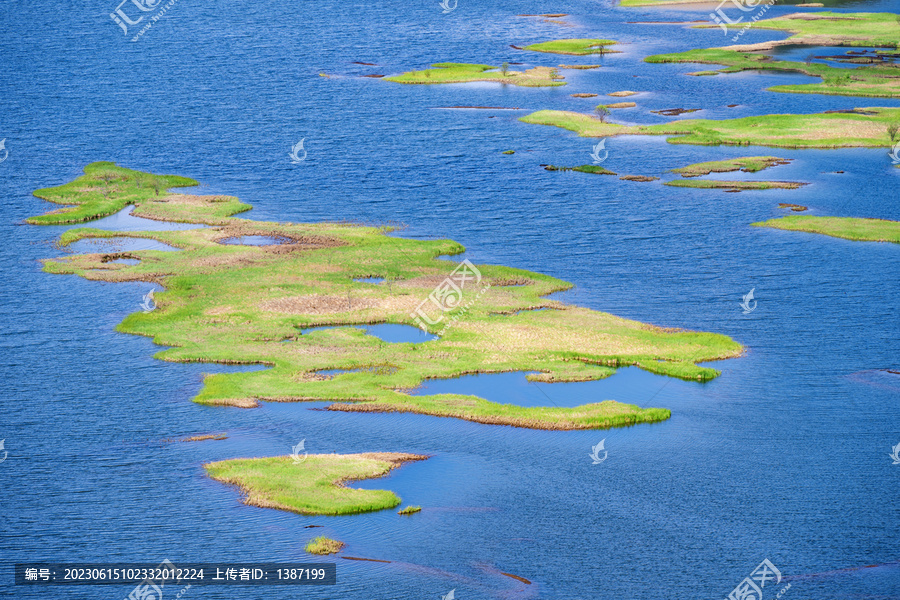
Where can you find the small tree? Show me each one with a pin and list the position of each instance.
(809, 59)
(554, 74)
(602, 112)
(892, 129)
(504, 68)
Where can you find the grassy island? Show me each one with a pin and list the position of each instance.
(322, 545)
(466, 72)
(574, 47)
(238, 304)
(859, 128)
(594, 169)
(848, 228)
(734, 186)
(313, 486)
(876, 79)
(793, 207)
(410, 510)
(747, 164)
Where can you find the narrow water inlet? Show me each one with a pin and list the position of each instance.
(112, 245)
(631, 385)
(125, 220)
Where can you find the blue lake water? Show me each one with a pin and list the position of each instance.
(254, 240)
(785, 456)
(826, 54)
(117, 244)
(628, 385)
(386, 332)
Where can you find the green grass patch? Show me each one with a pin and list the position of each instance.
(594, 169)
(638, 178)
(848, 228)
(237, 304)
(322, 545)
(409, 510)
(734, 186)
(104, 189)
(862, 127)
(575, 47)
(466, 72)
(747, 164)
(313, 486)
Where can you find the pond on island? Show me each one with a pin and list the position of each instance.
(386, 332)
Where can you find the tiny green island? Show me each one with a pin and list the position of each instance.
(245, 304)
(593, 169)
(448, 72)
(314, 485)
(747, 164)
(323, 546)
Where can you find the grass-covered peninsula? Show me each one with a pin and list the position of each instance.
(248, 304)
(862, 127)
(448, 72)
(877, 80)
(830, 29)
(313, 486)
(101, 192)
(848, 228)
(574, 47)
